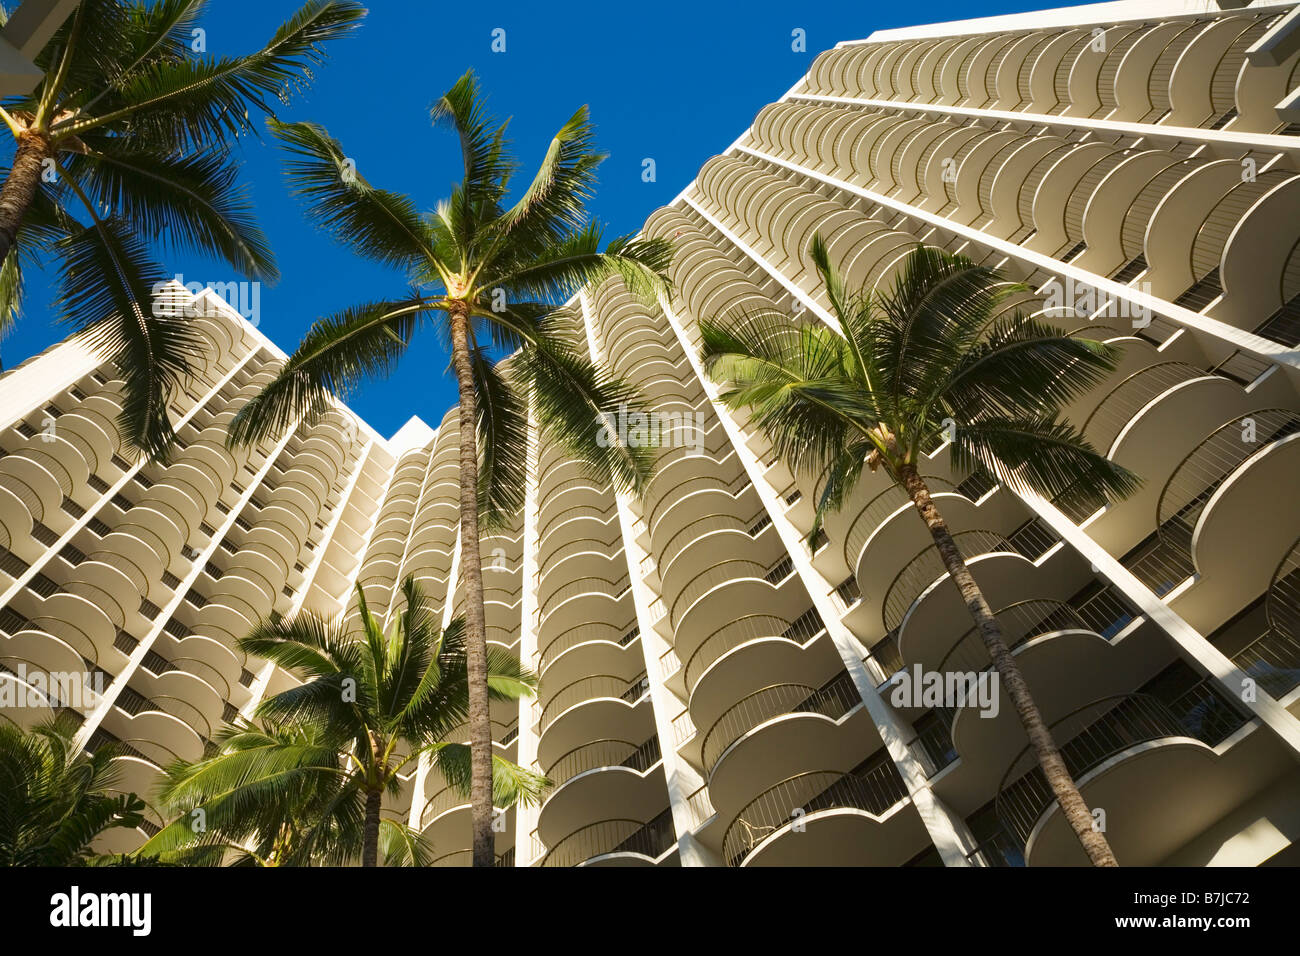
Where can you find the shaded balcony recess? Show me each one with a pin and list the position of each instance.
(1164, 559)
(1271, 656)
(1283, 326)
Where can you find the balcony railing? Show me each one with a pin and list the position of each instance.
(744, 629)
(591, 688)
(1113, 724)
(652, 840)
(588, 585)
(874, 789)
(1130, 396)
(732, 569)
(834, 700)
(927, 567)
(1021, 622)
(604, 753)
(877, 510)
(582, 634)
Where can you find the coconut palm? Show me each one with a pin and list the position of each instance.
(127, 141)
(943, 353)
(308, 785)
(55, 799)
(489, 276)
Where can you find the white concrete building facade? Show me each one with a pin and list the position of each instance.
(714, 691)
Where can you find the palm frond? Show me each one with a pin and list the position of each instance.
(191, 202)
(374, 223)
(512, 785)
(502, 442)
(571, 397)
(196, 101)
(335, 355)
(1040, 454)
(105, 270)
(487, 162)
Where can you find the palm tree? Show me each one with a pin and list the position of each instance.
(309, 784)
(56, 799)
(491, 276)
(127, 139)
(940, 354)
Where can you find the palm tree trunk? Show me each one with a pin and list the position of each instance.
(1040, 737)
(471, 569)
(370, 835)
(20, 186)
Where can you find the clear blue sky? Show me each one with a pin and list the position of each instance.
(670, 80)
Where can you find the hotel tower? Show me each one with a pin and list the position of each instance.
(715, 685)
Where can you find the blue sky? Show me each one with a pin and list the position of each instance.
(669, 80)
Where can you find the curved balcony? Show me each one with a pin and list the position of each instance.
(833, 700)
(1132, 755)
(602, 773)
(156, 734)
(716, 575)
(593, 633)
(1272, 658)
(1129, 397)
(42, 652)
(742, 630)
(616, 843)
(698, 529)
(874, 513)
(594, 687)
(752, 652)
(584, 562)
(1267, 476)
(591, 708)
(578, 491)
(710, 601)
(606, 544)
(1103, 614)
(838, 818)
(24, 704)
(993, 560)
(583, 599)
(580, 523)
(445, 817)
(671, 506)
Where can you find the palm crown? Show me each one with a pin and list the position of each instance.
(125, 142)
(507, 267)
(942, 355)
(307, 784)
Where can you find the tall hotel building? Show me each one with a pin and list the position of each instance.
(713, 688)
